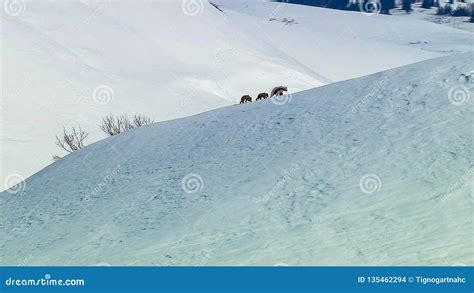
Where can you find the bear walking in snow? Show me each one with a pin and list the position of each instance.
(245, 99)
(278, 91)
(261, 96)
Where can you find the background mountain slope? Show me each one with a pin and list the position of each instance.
(72, 62)
(370, 171)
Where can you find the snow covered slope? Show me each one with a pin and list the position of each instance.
(72, 62)
(370, 171)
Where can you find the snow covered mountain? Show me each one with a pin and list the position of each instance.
(370, 171)
(72, 62)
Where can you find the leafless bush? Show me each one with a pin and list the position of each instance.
(113, 125)
(140, 120)
(71, 140)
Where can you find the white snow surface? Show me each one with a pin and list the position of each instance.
(267, 184)
(159, 61)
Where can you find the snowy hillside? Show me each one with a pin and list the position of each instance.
(370, 171)
(72, 62)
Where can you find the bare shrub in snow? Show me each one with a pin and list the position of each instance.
(141, 120)
(71, 140)
(113, 125)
